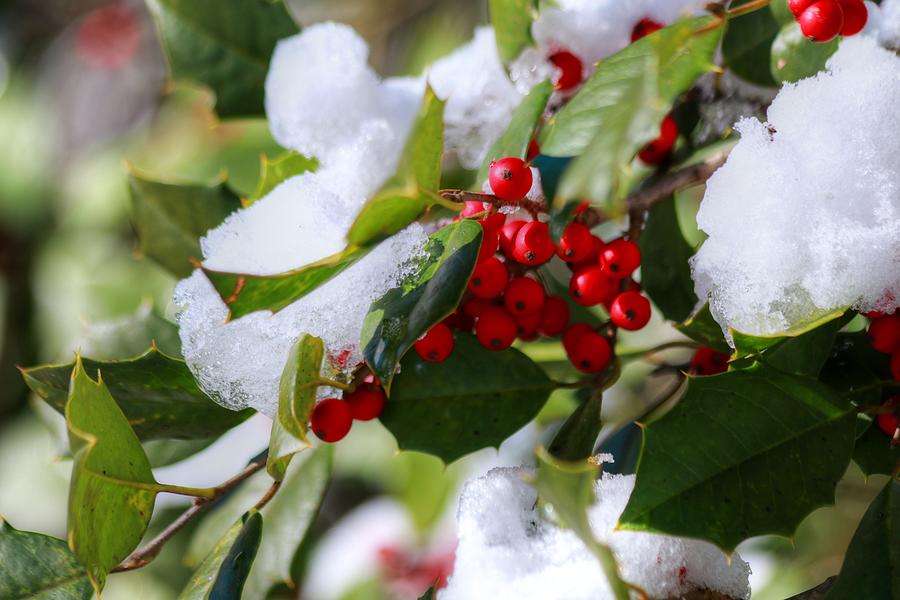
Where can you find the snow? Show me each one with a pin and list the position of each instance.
(884, 23)
(508, 549)
(804, 218)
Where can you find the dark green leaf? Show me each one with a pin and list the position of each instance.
(512, 21)
(427, 296)
(222, 574)
(781, 12)
(765, 450)
(224, 44)
(171, 218)
(665, 272)
(872, 565)
(576, 438)
(746, 344)
(794, 57)
(805, 354)
(873, 453)
(38, 566)
(475, 399)
(620, 108)
(408, 193)
(517, 137)
(430, 594)
(701, 327)
(273, 171)
(157, 393)
(747, 45)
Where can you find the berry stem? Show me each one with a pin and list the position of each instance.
(745, 8)
(869, 409)
(335, 384)
(625, 356)
(460, 196)
(448, 203)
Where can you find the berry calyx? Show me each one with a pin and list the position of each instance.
(620, 258)
(523, 296)
(331, 420)
(366, 401)
(658, 151)
(630, 311)
(707, 361)
(510, 178)
(589, 286)
(572, 335)
(489, 278)
(570, 70)
(533, 245)
(821, 21)
(855, 16)
(591, 353)
(576, 243)
(885, 334)
(644, 27)
(436, 345)
(888, 422)
(554, 316)
(496, 329)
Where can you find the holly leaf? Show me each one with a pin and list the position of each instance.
(171, 218)
(156, 392)
(873, 453)
(33, 565)
(766, 449)
(112, 490)
(576, 438)
(430, 594)
(805, 354)
(794, 57)
(665, 271)
(475, 399)
(620, 107)
(409, 192)
(701, 327)
(222, 574)
(746, 344)
(872, 564)
(225, 45)
(747, 44)
(425, 297)
(518, 135)
(511, 20)
(274, 171)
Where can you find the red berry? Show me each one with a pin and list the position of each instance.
(644, 28)
(576, 243)
(490, 239)
(591, 353)
(475, 306)
(533, 245)
(527, 326)
(573, 334)
(593, 257)
(571, 71)
(459, 320)
(658, 151)
(821, 21)
(331, 420)
(855, 16)
(524, 296)
(108, 37)
(436, 345)
(589, 286)
(630, 310)
(895, 364)
(798, 6)
(366, 401)
(554, 316)
(510, 178)
(472, 208)
(620, 258)
(489, 278)
(495, 329)
(888, 422)
(508, 235)
(885, 334)
(533, 150)
(707, 361)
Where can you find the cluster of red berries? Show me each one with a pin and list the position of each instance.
(823, 20)
(884, 332)
(506, 299)
(332, 418)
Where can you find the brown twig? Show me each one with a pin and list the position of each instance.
(531, 206)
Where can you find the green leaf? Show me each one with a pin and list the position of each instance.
(245, 294)
(701, 327)
(511, 20)
(38, 566)
(781, 12)
(620, 107)
(665, 271)
(131, 335)
(871, 567)
(112, 490)
(408, 193)
(428, 295)
(430, 594)
(794, 57)
(224, 44)
(873, 452)
(569, 488)
(222, 574)
(576, 438)
(161, 453)
(746, 344)
(273, 171)
(296, 399)
(473, 400)
(515, 140)
(765, 449)
(805, 354)
(171, 218)
(747, 45)
(157, 394)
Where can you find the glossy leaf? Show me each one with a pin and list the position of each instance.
(407, 194)
(873, 452)
(871, 567)
(765, 450)
(794, 57)
(747, 344)
(224, 44)
(805, 354)
(33, 565)
(620, 107)
(511, 20)
(157, 394)
(274, 171)
(747, 45)
(475, 399)
(171, 218)
(665, 271)
(429, 294)
(222, 574)
(576, 438)
(701, 327)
